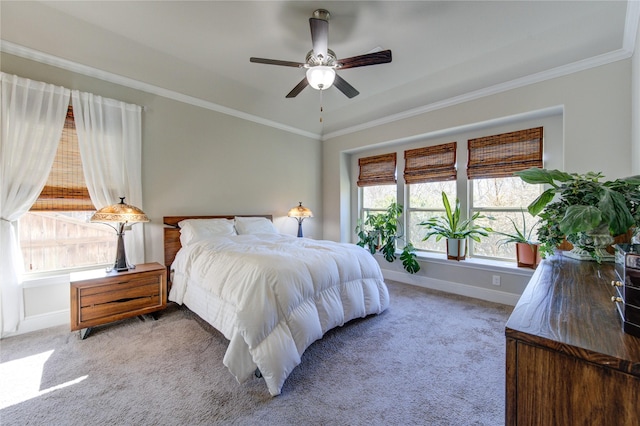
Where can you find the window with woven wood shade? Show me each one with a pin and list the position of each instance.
(430, 164)
(66, 188)
(502, 155)
(377, 170)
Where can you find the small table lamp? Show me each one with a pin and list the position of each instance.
(122, 214)
(300, 213)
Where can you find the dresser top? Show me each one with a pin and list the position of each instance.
(567, 307)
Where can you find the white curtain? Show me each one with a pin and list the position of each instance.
(33, 115)
(110, 140)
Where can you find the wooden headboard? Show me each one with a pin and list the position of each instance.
(172, 234)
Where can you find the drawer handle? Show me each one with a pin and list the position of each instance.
(616, 299)
(616, 283)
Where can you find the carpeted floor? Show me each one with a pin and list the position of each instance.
(430, 359)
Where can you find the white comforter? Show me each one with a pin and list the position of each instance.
(273, 295)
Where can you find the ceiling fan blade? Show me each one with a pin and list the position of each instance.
(276, 62)
(319, 36)
(375, 58)
(345, 87)
(296, 90)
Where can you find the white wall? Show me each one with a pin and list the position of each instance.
(194, 161)
(199, 162)
(596, 114)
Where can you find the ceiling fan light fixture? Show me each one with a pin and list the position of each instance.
(321, 77)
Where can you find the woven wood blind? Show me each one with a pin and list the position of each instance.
(430, 164)
(377, 170)
(502, 155)
(66, 188)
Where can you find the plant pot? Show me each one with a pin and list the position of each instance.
(528, 255)
(456, 249)
(592, 245)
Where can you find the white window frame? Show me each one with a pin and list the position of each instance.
(487, 211)
(407, 216)
(364, 211)
(551, 120)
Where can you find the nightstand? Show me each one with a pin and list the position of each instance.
(99, 297)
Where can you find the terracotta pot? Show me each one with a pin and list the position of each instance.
(528, 255)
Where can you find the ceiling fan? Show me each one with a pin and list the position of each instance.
(321, 62)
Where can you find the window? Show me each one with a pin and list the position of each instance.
(56, 233)
(425, 201)
(504, 199)
(428, 172)
(377, 178)
(488, 187)
(494, 191)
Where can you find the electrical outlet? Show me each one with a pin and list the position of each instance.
(496, 280)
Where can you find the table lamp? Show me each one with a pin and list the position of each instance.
(122, 214)
(300, 213)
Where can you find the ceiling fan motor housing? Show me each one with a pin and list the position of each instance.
(312, 60)
(321, 14)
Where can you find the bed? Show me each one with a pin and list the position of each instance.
(271, 295)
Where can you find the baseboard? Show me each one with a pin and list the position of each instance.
(40, 322)
(455, 288)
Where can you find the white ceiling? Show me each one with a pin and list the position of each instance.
(198, 51)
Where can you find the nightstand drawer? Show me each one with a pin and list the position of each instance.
(113, 296)
(144, 286)
(103, 301)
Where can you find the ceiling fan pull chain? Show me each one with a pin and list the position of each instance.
(321, 109)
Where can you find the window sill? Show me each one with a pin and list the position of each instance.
(475, 263)
(42, 279)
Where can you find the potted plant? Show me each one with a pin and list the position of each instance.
(583, 209)
(455, 230)
(381, 231)
(527, 250)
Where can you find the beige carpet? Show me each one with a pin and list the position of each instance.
(430, 359)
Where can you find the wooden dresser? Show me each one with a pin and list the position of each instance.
(568, 360)
(100, 297)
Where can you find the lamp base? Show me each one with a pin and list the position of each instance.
(121, 263)
(122, 268)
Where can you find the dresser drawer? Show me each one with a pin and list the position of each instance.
(631, 295)
(632, 278)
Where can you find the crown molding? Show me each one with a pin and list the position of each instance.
(45, 58)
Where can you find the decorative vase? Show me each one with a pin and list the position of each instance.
(528, 255)
(456, 248)
(592, 245)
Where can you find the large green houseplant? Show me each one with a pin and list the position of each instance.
(380, 232)
(454, 229)
(583, 208)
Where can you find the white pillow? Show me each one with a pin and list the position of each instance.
(254, 225)
(192, 230)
